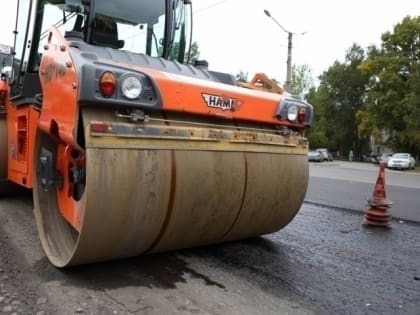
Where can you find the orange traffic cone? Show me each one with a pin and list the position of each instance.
(377, 214)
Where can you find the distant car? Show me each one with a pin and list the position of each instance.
(326, 156)
(383, 158)
(402, 161)
(315, 156)
(370, 158)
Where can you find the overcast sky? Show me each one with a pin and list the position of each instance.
(236, 35)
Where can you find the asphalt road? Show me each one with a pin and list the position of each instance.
(348, 186)
(324, 262)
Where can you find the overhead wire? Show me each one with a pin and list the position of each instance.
(210, 6)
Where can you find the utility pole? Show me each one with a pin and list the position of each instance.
(288, 84)
(289, 62)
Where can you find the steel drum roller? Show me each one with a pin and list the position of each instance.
(146, 195)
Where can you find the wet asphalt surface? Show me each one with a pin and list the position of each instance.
(324, 262)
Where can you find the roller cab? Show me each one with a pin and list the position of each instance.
(129, 148)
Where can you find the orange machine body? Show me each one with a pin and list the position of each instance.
(59, 81)
(22, 124)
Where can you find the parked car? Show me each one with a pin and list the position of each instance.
(383, 158)
(315, 156)
(326, 156)
(402, 161)
(370, 158)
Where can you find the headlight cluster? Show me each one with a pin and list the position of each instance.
(131, 86)
(296, 111)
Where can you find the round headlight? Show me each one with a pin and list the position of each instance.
(292, 113)
(131, 87)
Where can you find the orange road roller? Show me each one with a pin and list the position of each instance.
(130, 149)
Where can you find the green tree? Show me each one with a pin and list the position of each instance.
(242, 76)
(336, 101)
(393, 97)
(317, 134)
(193, 54)
(190, 56)
(302, 80)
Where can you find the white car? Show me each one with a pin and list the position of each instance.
(401, 161)
(326, 156)
(315, 156)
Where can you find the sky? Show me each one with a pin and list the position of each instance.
(235, 35)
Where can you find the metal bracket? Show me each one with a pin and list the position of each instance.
(135, 116)
(49, 176)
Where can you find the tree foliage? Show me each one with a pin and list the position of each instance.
(336, 101)
(372, 94)
(302, 80)
(193, 54)
(190, 56)
(393, 96)
(242, 76)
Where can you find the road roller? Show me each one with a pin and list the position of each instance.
(128, 148)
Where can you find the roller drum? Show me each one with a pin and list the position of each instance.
(150, 195)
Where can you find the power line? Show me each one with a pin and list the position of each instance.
(211, 6)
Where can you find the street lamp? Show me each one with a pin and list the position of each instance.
(289, 51)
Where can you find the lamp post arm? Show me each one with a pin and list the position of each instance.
(275, 21)
(288, 84)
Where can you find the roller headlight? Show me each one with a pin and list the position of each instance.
(131, 87)
(292, 112)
